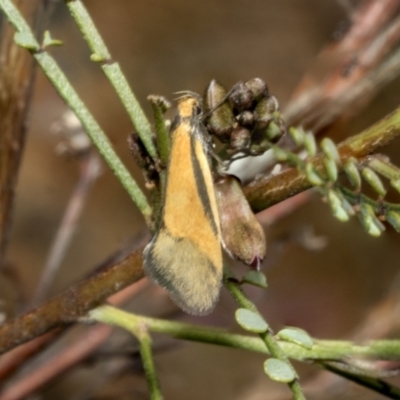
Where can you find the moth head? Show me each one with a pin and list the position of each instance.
(189, 103)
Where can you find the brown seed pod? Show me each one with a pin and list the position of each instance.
(246, 119)
(265, 110)
(241, 98)
(258, 88)
(240, 139)
(221, 121)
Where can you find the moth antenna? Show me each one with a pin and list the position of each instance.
(187, 93)
(209, 112)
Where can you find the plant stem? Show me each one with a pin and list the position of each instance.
(273, 347)
(321, 350)
(69, 306)
(384, 167)
(149, 367)
(113, 72)
(160, 105)
(356, 198)
(333, 350)
(67, 92)
(377, 385)
(113, 316)
(90, 168)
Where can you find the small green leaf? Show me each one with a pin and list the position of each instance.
(297, 134)
(313, 175)
(279, 371)
(49, 41)
(331, 169)
(352, 172)
(280, 155)
(374, 180)
(26, 41)
(330, 149)
(370, 227)
(273, 131)
(310, 144)
(296, 336)
(337, 208)
(256, 278)
(393, 218)
(369, 220)
(250, 321)
(99, 58)
(347, 206)
(395, 184)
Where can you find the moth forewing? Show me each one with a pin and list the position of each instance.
(185, 255)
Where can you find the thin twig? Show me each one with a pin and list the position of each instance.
(317, 93)
(377, 385)
(90, 169)
(114, 316)
(333, 350)
(11, 361)
(68, 306)
(149, 367)
(77, 351)
(380, 322)
(36, 379)
(15, 91)
(113, 72)
(351, 92)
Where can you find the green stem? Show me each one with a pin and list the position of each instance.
(333, 350)
(384, 167)
(149, 367)
(160, 105)
(387, 349)
(321, 350)
(15, 18)
(356, 198)
(113, 72)
(67, 92)
(267, 337)
(377, 385)
(135, 325)
(276, 351)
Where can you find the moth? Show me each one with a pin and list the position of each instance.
(185, 255)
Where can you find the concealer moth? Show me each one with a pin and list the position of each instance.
(185, 255)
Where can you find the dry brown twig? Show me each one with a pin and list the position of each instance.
(17, 67)
(343, 64)
(73, 354)
(81, 149)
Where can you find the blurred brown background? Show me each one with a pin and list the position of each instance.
(164, 47)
